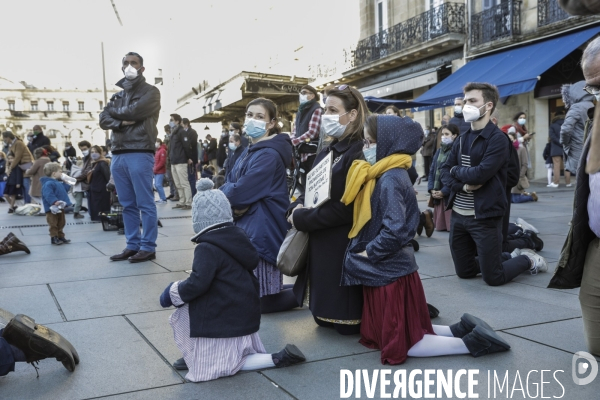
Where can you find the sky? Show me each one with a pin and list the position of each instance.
(56, 43)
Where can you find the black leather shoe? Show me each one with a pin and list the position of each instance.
(466, 325)
(290, 355)
(124, 255)
(142, 256)
(482, 341)
(180, 365)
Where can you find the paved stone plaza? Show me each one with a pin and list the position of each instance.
(111, 314)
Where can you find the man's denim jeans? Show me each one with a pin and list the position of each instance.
(133, 176)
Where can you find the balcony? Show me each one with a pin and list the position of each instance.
(498, 22)
(550, 12)
(444, 19)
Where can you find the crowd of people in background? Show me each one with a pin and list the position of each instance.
(361, 275)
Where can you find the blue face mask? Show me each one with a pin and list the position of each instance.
(371, 154)
(172, 124)
(255, 128)
(232, 146)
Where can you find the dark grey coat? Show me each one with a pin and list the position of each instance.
(578, 103)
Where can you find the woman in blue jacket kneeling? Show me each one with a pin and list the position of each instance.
(380, 257)
(257, 191)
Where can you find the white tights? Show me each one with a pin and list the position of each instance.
(441, 344)
(258, 361)
(549, 176)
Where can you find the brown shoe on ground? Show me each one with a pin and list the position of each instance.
(142, 256)
(534, 195)
(428, 222)
(124, 255)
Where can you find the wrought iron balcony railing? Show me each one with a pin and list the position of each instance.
(438, 21)
(497, 22)
(549, 12)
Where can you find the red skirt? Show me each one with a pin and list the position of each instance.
(395, 317)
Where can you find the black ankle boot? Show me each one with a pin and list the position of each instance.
(421, 224)
(290, 355)
(482, 341)
(415, 244)
(466, 324)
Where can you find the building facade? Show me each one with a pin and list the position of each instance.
(407, 47)
(64, 114)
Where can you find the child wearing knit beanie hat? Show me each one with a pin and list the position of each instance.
(216, 322)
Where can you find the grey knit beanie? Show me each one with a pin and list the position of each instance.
(210, 207)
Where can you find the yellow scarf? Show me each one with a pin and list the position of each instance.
(360, 184)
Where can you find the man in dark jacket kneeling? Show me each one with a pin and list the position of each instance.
(476, 172)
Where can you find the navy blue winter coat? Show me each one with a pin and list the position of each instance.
(394, 213)
(258, 182)
(490, 156)
(222, 290)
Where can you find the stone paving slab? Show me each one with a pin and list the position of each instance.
(78, 238)
(114, 296)
(454, 296)
(538, 295)
(175, 260)
(114, 359)
(54, 271)
(564, 335)
(435, 261)
(62, 252)
(117, 245)
(542, 280)
(321, 380)
(252, 385)
(35, 301)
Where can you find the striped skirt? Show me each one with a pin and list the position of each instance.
(209, 358)
(270, 279)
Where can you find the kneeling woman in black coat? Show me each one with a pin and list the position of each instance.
(100, 175)
(328, 225)
(218, 309)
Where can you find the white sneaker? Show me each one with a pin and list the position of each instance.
(515, 253)
(526, 226)
(569, 185)
(160, 201)
(538, 263)
(554, 185)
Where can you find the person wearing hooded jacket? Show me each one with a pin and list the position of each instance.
(132, 115)
(217, 319)
(380, 257)
(578, 102)
(257, 191)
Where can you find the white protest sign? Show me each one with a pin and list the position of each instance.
(318, 183)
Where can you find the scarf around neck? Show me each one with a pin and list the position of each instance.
(360, 184)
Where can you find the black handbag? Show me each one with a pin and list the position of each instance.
(293, 254)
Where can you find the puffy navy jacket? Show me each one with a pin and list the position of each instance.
(394, 213)
(258, 182)
(489, 154)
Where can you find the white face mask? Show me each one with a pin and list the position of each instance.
(331, 125)
(458, 109)
(471, 113)
(522, 121)
(130, 72)
(303, 98)
(157, 145)
(447, 139)
(85, 152)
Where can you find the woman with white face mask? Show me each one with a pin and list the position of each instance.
(439, 192)
(257, 189)
(329, 224)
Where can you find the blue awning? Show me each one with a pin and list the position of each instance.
(376, 104)
(513, 71)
